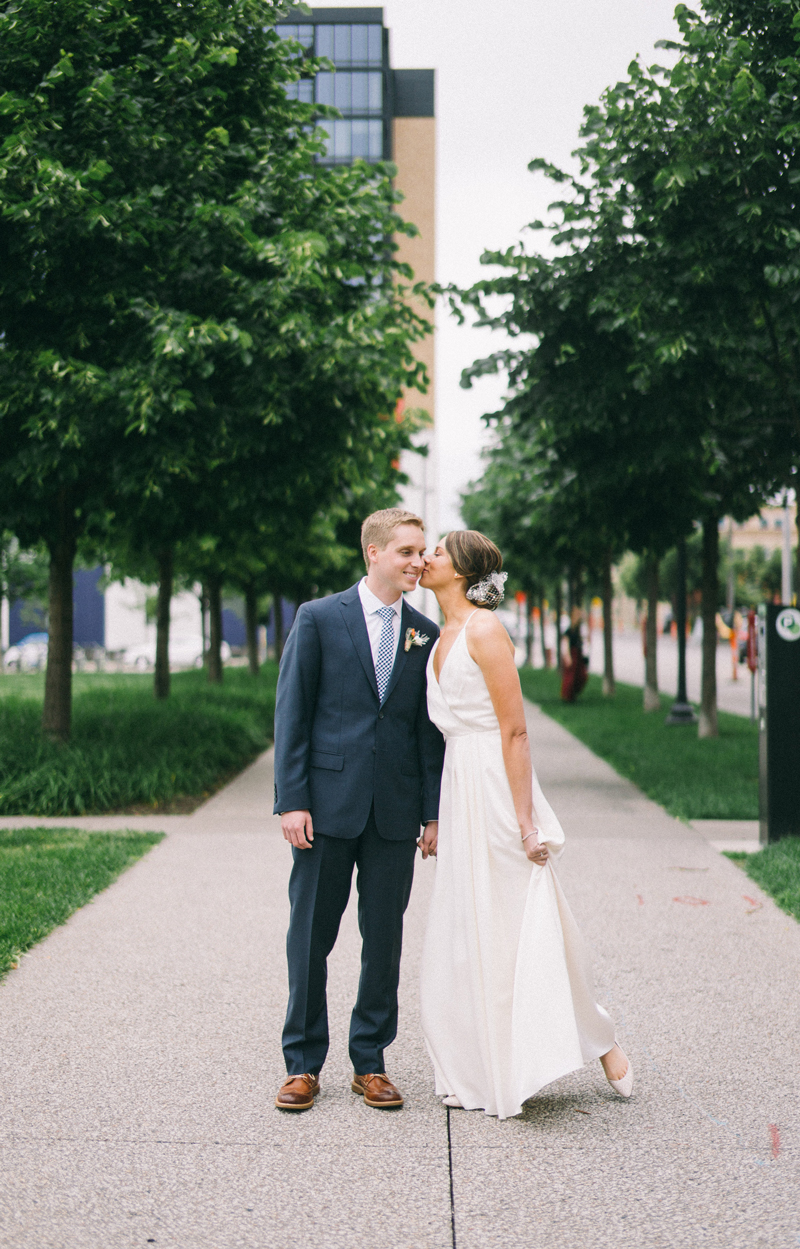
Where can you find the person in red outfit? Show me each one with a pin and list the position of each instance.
(574, 668)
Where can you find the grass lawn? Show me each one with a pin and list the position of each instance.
(776, 869)
(129, 752)
(47, 873)
(716, 778)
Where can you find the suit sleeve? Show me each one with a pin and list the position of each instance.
(294, 713)
(430, 744)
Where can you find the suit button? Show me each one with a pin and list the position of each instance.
(380, 715)
(374, 751)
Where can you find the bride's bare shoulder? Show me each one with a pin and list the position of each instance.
(487, 632)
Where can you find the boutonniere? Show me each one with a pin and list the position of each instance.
(415, 639)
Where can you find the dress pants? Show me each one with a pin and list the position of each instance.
(319, 889)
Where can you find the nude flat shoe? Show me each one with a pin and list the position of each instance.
(624, 1086)
(453, 1101)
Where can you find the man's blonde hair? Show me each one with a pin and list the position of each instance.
(378, 528)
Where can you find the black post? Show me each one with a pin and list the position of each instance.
(681, 711)
(779, 721)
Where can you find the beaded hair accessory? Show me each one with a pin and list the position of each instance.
(489, 591)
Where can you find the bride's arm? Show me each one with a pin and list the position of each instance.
(493, 651)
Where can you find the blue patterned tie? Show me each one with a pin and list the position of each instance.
(385, 661)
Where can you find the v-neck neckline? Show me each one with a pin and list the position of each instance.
(438, 679)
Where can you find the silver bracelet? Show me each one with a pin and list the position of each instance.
(531, 834)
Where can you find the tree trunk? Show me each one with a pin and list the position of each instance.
(203, 597)
(609, 686)
(708, 706)
(529, 639)
(541, 631)
(214, 585)
(161, 679)
(57, 715)
(652, 702)
(559, 608)
(251, 624)
(277, 612)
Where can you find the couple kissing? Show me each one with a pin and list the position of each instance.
(391, 735)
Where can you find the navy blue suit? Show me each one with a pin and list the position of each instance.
(369, 773)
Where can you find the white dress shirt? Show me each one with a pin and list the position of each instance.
(371, 605)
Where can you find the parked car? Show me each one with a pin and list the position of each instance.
(184, 652)
(27, 655)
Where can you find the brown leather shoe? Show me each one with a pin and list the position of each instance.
(297, 1093)
(378, 1091)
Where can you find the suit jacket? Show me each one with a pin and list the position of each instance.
(338, 749)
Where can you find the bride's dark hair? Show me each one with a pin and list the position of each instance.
(475, 556)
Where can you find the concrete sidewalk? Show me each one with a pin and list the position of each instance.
(139, 1058)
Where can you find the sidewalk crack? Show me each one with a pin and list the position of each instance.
(450, 1167)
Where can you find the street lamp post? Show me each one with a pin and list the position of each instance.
(681, 711)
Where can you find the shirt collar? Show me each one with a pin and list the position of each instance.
(372, 603)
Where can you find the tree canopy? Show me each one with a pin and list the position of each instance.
(655, 385)
(201, 328)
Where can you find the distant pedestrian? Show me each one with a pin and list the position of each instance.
(574, 665)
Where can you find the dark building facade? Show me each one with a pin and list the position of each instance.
(364, 88)
(387, 114)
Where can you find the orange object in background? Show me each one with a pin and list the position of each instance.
(752, 641)
(735, 653)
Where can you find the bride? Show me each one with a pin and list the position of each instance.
(507, 999)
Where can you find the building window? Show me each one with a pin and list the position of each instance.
(302, 90)
(347, 140)
(303, 34)
(351, 92)
(355, 88)
(351, 45)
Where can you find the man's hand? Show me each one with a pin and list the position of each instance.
(428, 841)
(298, 828)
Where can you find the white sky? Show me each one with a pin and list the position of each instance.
(512, 78)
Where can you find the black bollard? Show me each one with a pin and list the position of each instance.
(681, 711)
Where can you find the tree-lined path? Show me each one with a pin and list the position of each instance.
(139, 1058)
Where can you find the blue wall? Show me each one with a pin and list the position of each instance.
(89, 607)
(19, 628)
(89, 612)
(234, 630)
(288, 611)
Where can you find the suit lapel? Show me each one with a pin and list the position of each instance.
(401, 657)
(353, 614)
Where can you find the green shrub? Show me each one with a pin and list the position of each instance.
(127, 750)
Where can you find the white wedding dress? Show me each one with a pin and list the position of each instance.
(507, 998)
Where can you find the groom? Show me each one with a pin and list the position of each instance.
(357, 771)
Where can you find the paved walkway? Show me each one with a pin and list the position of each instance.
(139, 1057)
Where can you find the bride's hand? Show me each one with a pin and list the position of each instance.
(429, 839)
(535, 849)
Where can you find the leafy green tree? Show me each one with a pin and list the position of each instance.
(700, 164)
(23, 576)
(168, 254)
(666, 328)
